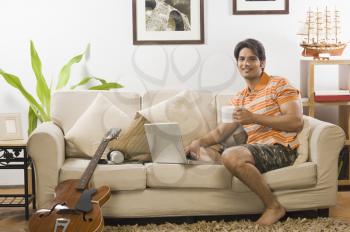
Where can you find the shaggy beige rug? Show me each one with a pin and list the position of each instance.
(293, 225)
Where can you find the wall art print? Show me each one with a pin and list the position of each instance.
(168, 22)
(246, 7)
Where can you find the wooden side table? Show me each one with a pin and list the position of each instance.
(13, 155)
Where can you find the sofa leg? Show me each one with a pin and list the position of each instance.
(323, 212)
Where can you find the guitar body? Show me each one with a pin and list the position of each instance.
(76, 207)
(67, 192)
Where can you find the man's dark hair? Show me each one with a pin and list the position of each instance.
(254, 45)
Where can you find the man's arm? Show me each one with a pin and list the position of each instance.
(291, 119)
(219, 134)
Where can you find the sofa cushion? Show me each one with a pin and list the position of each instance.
(205, 100)
(181, 108)
(187, 176)
(117, 177)
(132, 142)
(68, 106)
(85, 136)
(293, 177)
(303, 140)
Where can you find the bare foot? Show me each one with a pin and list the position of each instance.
(270, 216)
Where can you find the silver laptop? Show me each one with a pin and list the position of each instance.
(165, 144)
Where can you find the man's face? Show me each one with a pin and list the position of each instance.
(249, 65)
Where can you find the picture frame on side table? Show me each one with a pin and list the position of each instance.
(10, 126)
(168, 22)
(249, 7)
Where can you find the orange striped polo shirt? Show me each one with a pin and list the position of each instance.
(266, 99)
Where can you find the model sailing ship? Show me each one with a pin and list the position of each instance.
(321, 34)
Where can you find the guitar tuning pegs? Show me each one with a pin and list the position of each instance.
(112, 133)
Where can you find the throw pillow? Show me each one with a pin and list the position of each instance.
(83, 139)
(303, 140)
(132, 142)
(182, 109)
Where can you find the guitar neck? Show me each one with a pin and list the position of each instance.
(85, 178)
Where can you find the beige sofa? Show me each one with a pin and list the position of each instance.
(159, 190)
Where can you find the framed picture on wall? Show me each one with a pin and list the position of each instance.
(168, 22)
(246, 7)
(10, 126)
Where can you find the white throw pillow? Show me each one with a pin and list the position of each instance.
(83, 139)
(182, 109)
(303, 140)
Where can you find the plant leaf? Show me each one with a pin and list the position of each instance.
(100, 80)
(82, 82)
(15, 82)
(107, 86)
(87, 79)
(42, 90)
(64, 75)
(32, 120)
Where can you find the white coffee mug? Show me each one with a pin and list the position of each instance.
(227, 113)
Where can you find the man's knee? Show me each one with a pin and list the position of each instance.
(235, 157)
(231, 158)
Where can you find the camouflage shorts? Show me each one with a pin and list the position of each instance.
(271, 156)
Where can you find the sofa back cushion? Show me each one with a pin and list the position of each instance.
(83, 139)
(183, 109)
(205, 101)
(68, 106)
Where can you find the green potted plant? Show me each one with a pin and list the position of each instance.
(40, 110)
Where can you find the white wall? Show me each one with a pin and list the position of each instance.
(62, 29)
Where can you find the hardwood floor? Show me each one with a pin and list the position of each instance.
(342, 208)
(12, 219)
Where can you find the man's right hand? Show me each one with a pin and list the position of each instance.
(193, 149)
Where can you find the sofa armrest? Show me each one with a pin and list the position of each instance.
(326, 141)
(47, 150)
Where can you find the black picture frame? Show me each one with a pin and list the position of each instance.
(143, 36)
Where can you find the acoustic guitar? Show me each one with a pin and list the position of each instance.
(76, 206)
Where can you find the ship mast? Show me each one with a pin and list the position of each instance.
(327, 26)
(318, 25)
(336, 26)
(308, 25)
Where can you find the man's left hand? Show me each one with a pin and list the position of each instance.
(244, 116)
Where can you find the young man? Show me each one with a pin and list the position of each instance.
(270, 110)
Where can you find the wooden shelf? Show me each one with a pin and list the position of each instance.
(305, 102)
(330, 62)
(14, 200)
(307, 90)
(13, 143)
(343, 182)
